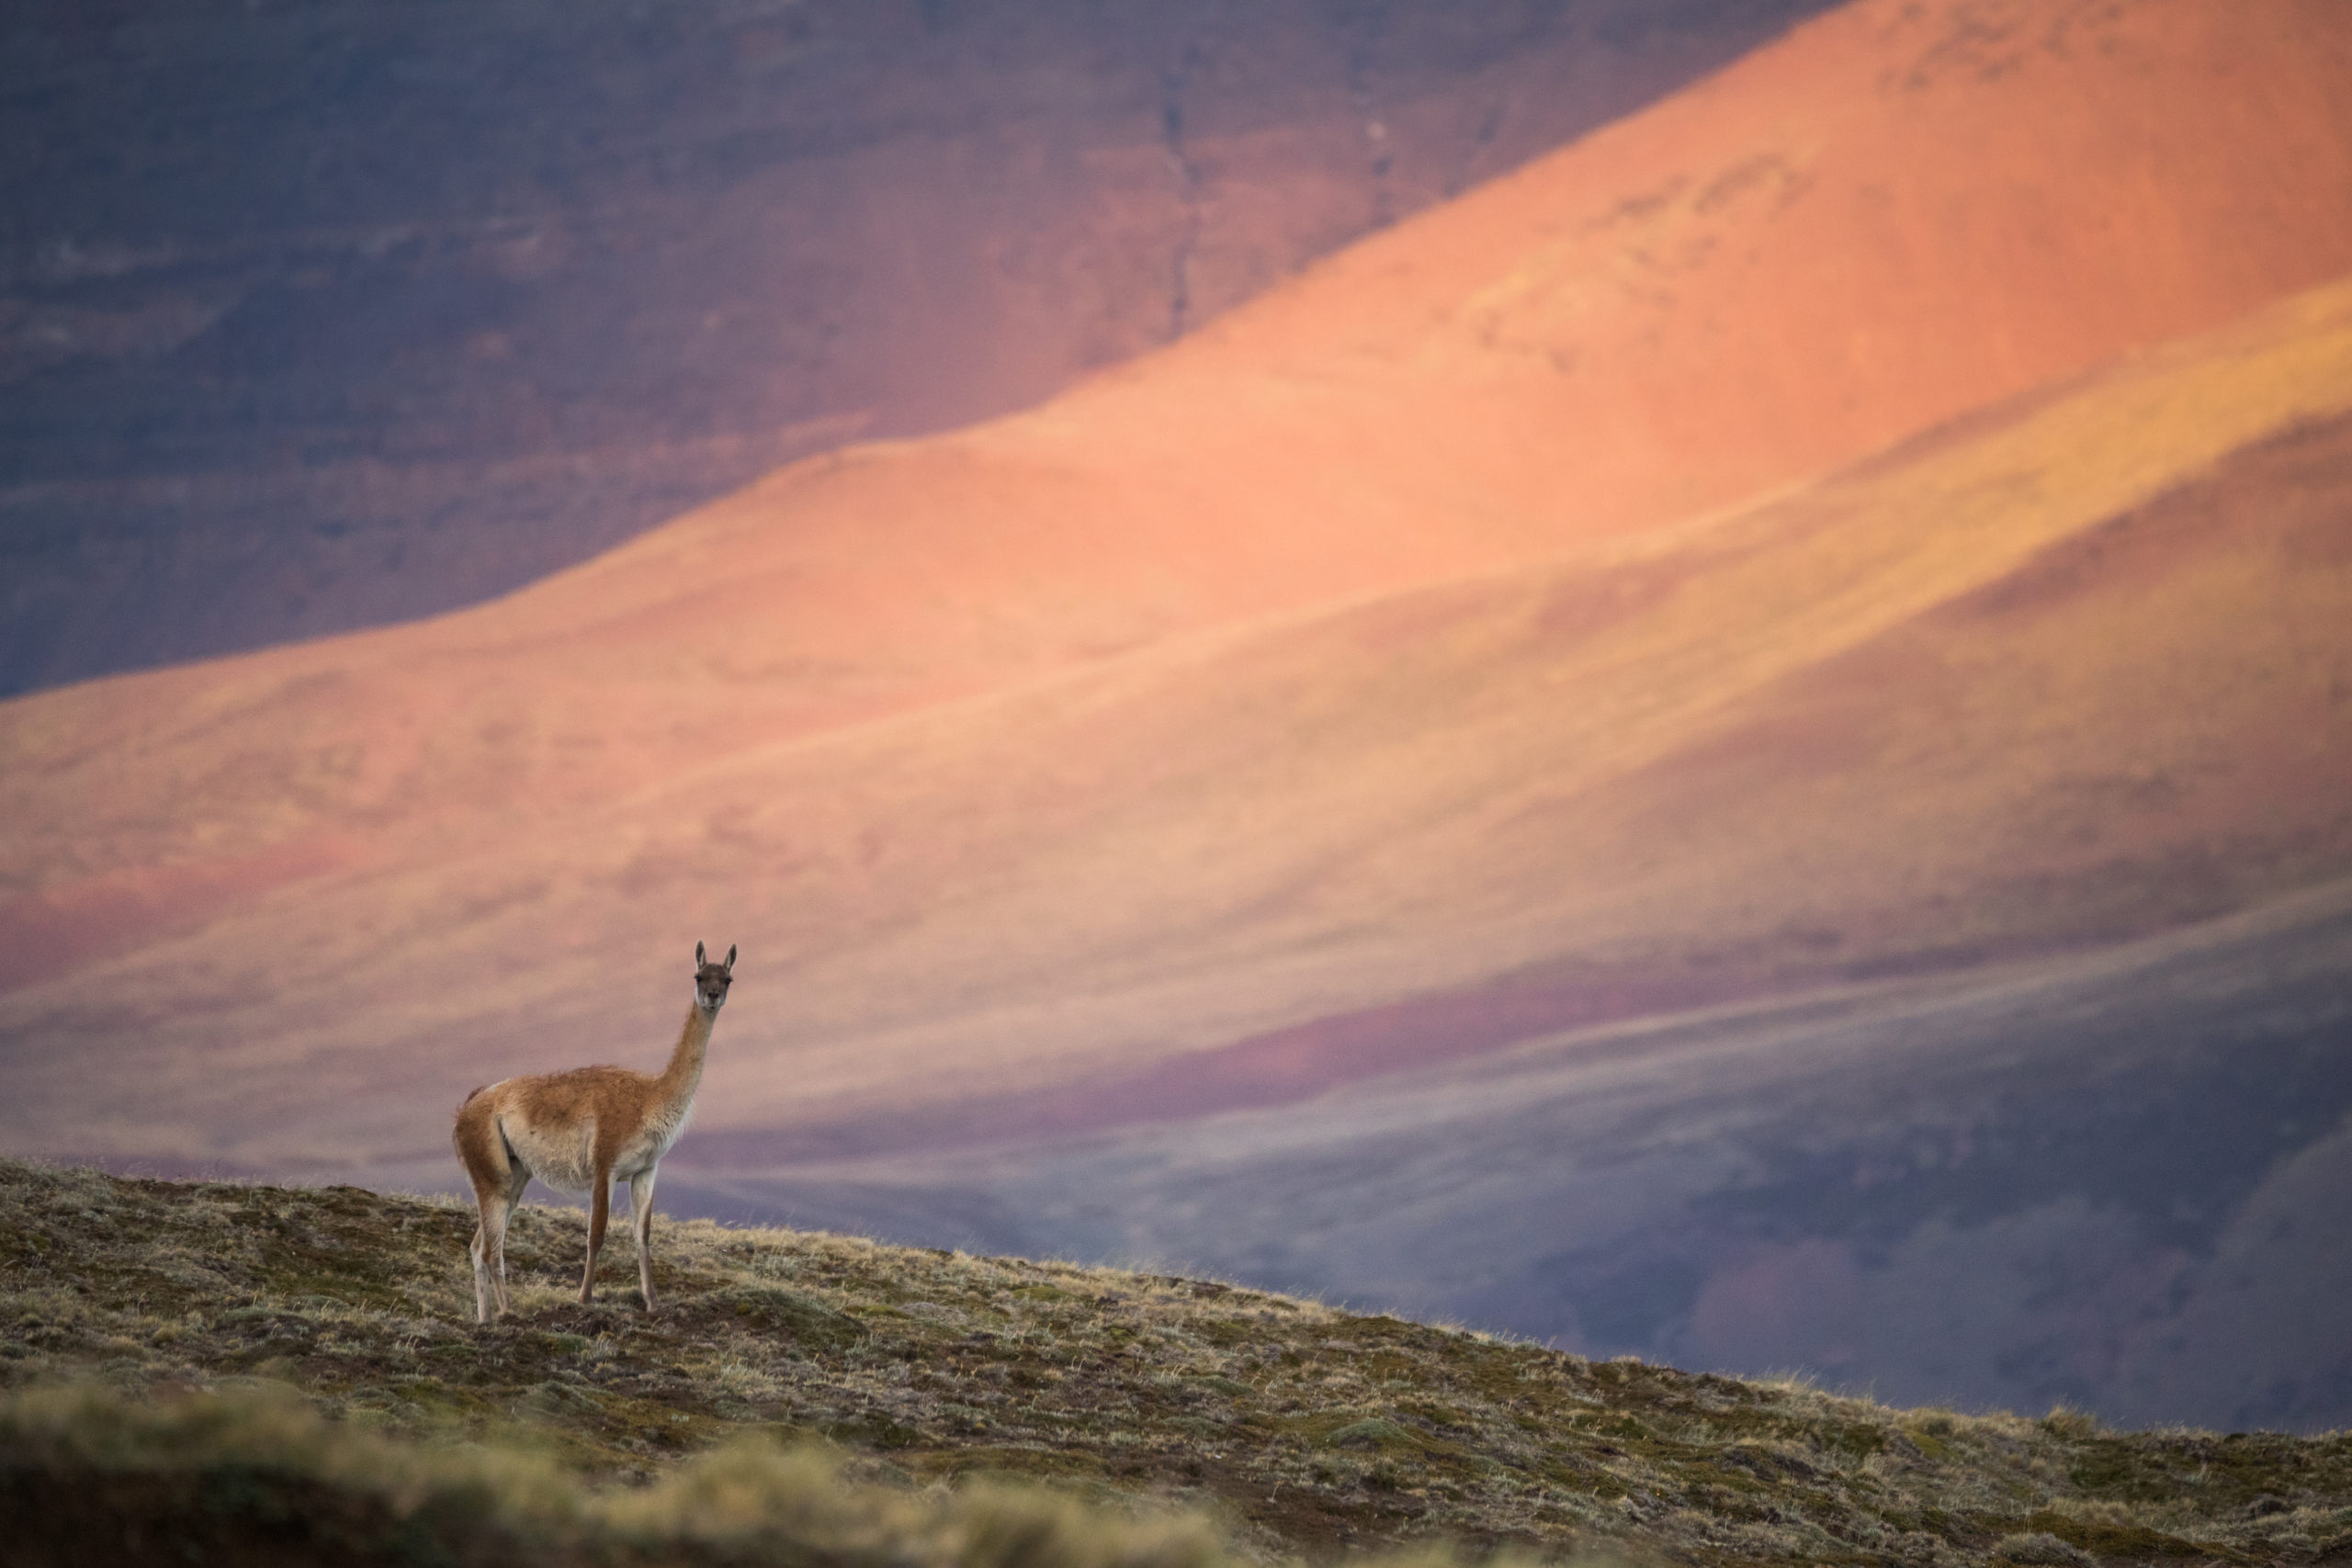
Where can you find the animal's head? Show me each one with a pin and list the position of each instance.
(711, 980)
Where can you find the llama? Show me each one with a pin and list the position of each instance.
(581, 1131)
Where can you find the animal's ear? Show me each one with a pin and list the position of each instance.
(729, 964)
(699, 960)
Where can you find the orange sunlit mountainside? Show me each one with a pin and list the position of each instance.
(317, 319)
(1877, 515)
(1896, 214)
(1888, 722)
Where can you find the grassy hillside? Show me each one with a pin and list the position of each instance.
(1173, 1421)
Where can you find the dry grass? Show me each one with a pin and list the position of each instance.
(926, 1379)
(253, 1471)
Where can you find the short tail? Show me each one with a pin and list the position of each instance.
(478, 1158)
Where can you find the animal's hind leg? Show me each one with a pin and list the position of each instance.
(479, 1251)
(641, 1214)
(490, 1256)
(600, 1209)
(497, 1182)
(519, 1180)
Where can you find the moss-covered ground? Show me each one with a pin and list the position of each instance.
(129, 1308)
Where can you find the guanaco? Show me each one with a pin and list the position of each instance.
(582, 1130)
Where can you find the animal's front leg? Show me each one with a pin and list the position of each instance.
(641, 1214)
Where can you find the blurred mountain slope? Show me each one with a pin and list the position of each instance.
(319, 316)
(2110, 1179)
(2058, 676)
(1895, 215)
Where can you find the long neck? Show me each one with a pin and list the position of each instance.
(684, 1074)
